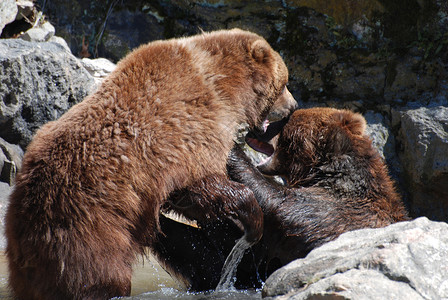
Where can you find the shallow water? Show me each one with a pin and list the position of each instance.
(148, 277)
(170, 293)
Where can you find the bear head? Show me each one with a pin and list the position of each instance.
(249, 71)
(312, 139)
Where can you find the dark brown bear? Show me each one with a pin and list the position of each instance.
(336, 182)
(87, 199)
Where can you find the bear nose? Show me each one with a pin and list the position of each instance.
(283, 106)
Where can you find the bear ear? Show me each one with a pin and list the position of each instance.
(354, 122)
(260, 51)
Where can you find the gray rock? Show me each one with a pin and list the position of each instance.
(99, 68)
(25, 9)
(406, 260)
(5, 190)
(8, 12)
(39, 82)
(351, 285)
(60, 41)
(424, 132)
(424, 138)
(10, 161)
(2, 160)
(379, 129)
(41, 33)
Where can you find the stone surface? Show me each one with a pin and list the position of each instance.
(5, 190)
(10, 161)
(423, 135)
(425, 132)
(99, 68)
(8, 12)
(383, 138)
(39, 82)
(406, 260)
(60, 41)
(25, 9)
(41, 33)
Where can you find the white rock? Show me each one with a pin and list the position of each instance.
(99, 68)
(8, 12)
(405, 260)
(41, 33)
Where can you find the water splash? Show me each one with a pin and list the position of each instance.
(231, 264)
(170, 293)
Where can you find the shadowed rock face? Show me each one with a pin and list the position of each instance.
(423, 136)
(334, 49)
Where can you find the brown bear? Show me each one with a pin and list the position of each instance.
(86, 201)
(336, 181)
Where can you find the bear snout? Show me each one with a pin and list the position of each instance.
(283, 106)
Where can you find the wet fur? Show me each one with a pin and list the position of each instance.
(337, 182)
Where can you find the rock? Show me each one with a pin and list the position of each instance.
(10, 161)
(333, 51)
(351, 285)
(40, 81)
(25, 17)
(411, 77)
(41, 33)
(425, 131)
(126, 30)
(5, 190)
(115, 47)
(423, 135)
(405, 260)
(8, 13)
(379, 129)
(2, 161)
(60, 41)
(99, 68)
(25, 9)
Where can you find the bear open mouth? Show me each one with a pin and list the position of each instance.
(260, 146)
(262, 142)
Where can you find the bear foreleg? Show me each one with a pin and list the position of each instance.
(217, 197)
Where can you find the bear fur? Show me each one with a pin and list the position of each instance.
(86, 201)
(336, 181)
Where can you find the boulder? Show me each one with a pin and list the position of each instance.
(379, 129)
(10, 161)
(41, 33)
(26, 9)
(8, 12)
(5, 190)
(405, 260)
(423, 136)
(380, 133)
(99, 68)
(40, 81)
(60, 41)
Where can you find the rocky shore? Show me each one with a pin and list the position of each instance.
(399, 81)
